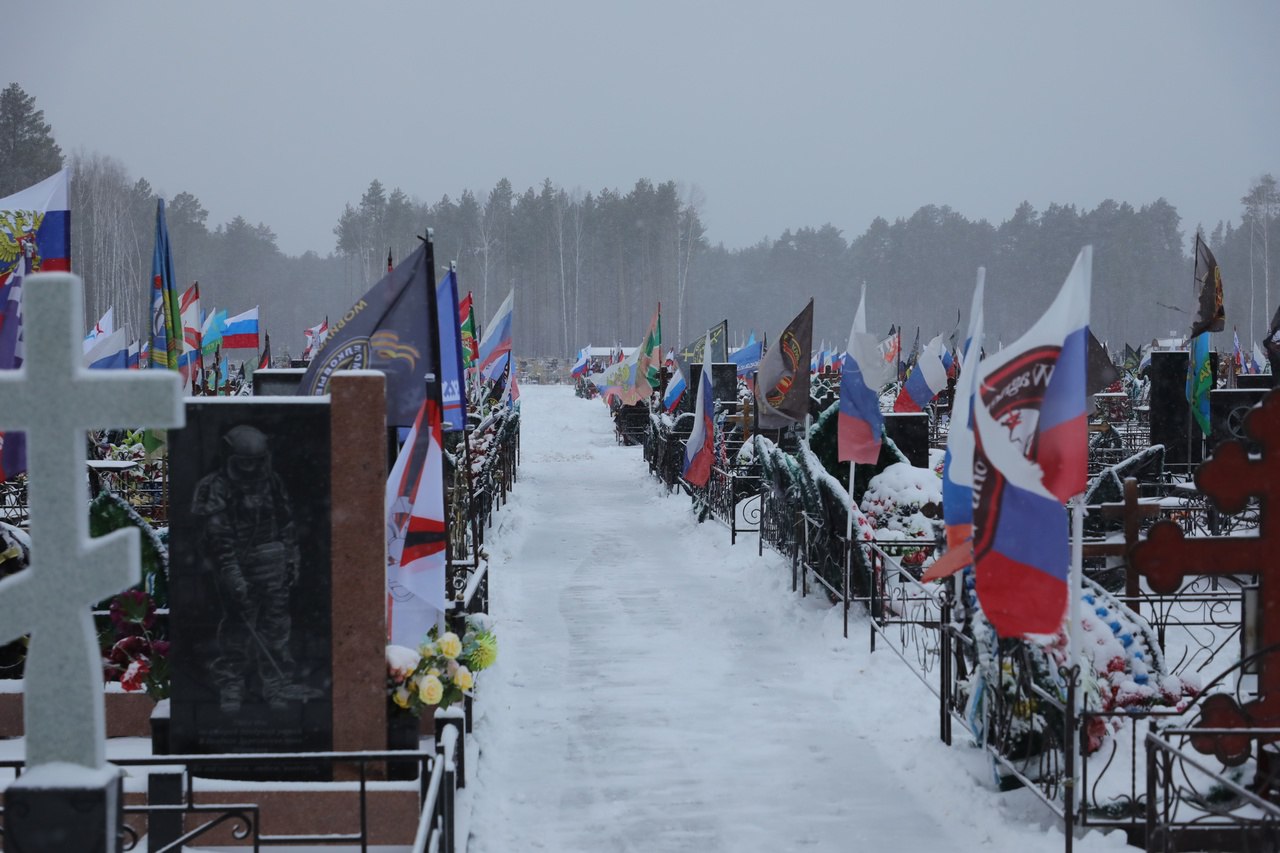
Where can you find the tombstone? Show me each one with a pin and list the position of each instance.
(724, 383)
(277, 381)
(1264, 381)
(277, 620)
(70, 798)
(1228, 407)
(910, 431)
(1170, 413)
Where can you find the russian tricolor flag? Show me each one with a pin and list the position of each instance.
(241, 331)
(580, 366)
(1030, 457)
(860, 422)
(46, 204)
(957, 463)
(699, 450)
(927, 379)
(497, 338)
(676, 387)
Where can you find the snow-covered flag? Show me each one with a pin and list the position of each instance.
(241, 331)
(860, 424)
(699, 450)
(1030, 456)
(957, 463)
(415, 523)
(927, 379)
(105, 326)
(314, 337)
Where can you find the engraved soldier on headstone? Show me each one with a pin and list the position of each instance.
(249, 543)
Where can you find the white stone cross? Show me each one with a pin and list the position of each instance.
(56, 400)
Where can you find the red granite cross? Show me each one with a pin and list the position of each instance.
(1166, 557)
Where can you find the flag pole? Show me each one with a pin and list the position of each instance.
(1076, 642)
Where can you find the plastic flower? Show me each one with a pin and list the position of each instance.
(135, 676)
(430, 690)
(401, 696)
(485, 651)
(463, 679)
(449, 644)
(427, 649)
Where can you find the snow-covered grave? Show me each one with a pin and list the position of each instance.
(69, 798)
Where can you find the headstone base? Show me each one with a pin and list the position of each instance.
(64, 808)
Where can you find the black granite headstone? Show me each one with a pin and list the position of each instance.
(910, 431)
(1170, 412)
(249, 552)
(724, 382)
(277, 381)
(1228, 408)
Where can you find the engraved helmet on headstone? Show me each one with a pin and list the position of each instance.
(248, 457)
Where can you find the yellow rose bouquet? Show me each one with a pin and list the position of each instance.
(442, 669)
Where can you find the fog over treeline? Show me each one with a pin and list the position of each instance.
(590, 266)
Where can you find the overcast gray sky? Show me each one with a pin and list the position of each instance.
(783, 113)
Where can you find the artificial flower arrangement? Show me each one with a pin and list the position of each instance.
(133, 653)
(442, 670)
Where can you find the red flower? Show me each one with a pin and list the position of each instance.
(134, 676)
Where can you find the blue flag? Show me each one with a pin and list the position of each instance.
(388, 329)
(451, 374)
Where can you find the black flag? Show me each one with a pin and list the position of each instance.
(1210, 316)
(782, 386)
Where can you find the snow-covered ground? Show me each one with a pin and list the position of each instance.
(660, 690)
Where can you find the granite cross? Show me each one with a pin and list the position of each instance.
(54, 399)
(1166, 557)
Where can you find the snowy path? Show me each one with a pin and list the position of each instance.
(661, 690)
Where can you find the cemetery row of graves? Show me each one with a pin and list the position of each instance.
(1166, 733)
(298, 661)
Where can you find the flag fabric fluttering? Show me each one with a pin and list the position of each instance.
(924, 382)
(782, 389)
(748, 358)
(1210, 314)
(957, 462)
(314, 338)
(241, 331)
(452, 378)
(699, 449)
(497, 337)
(861, 424)
(582, 364)
(166, 319)
(264, 361)
(215, 323)
(648, 376)
(37, 220)
(1031, 435)
(467, 323)
(416, 546)
(13, 445)
(1237, 359)
(1200, 381)
(191, 358)
(111, 352)
(388, 329)
(133, 356)
(105, 326)
(676, 386)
